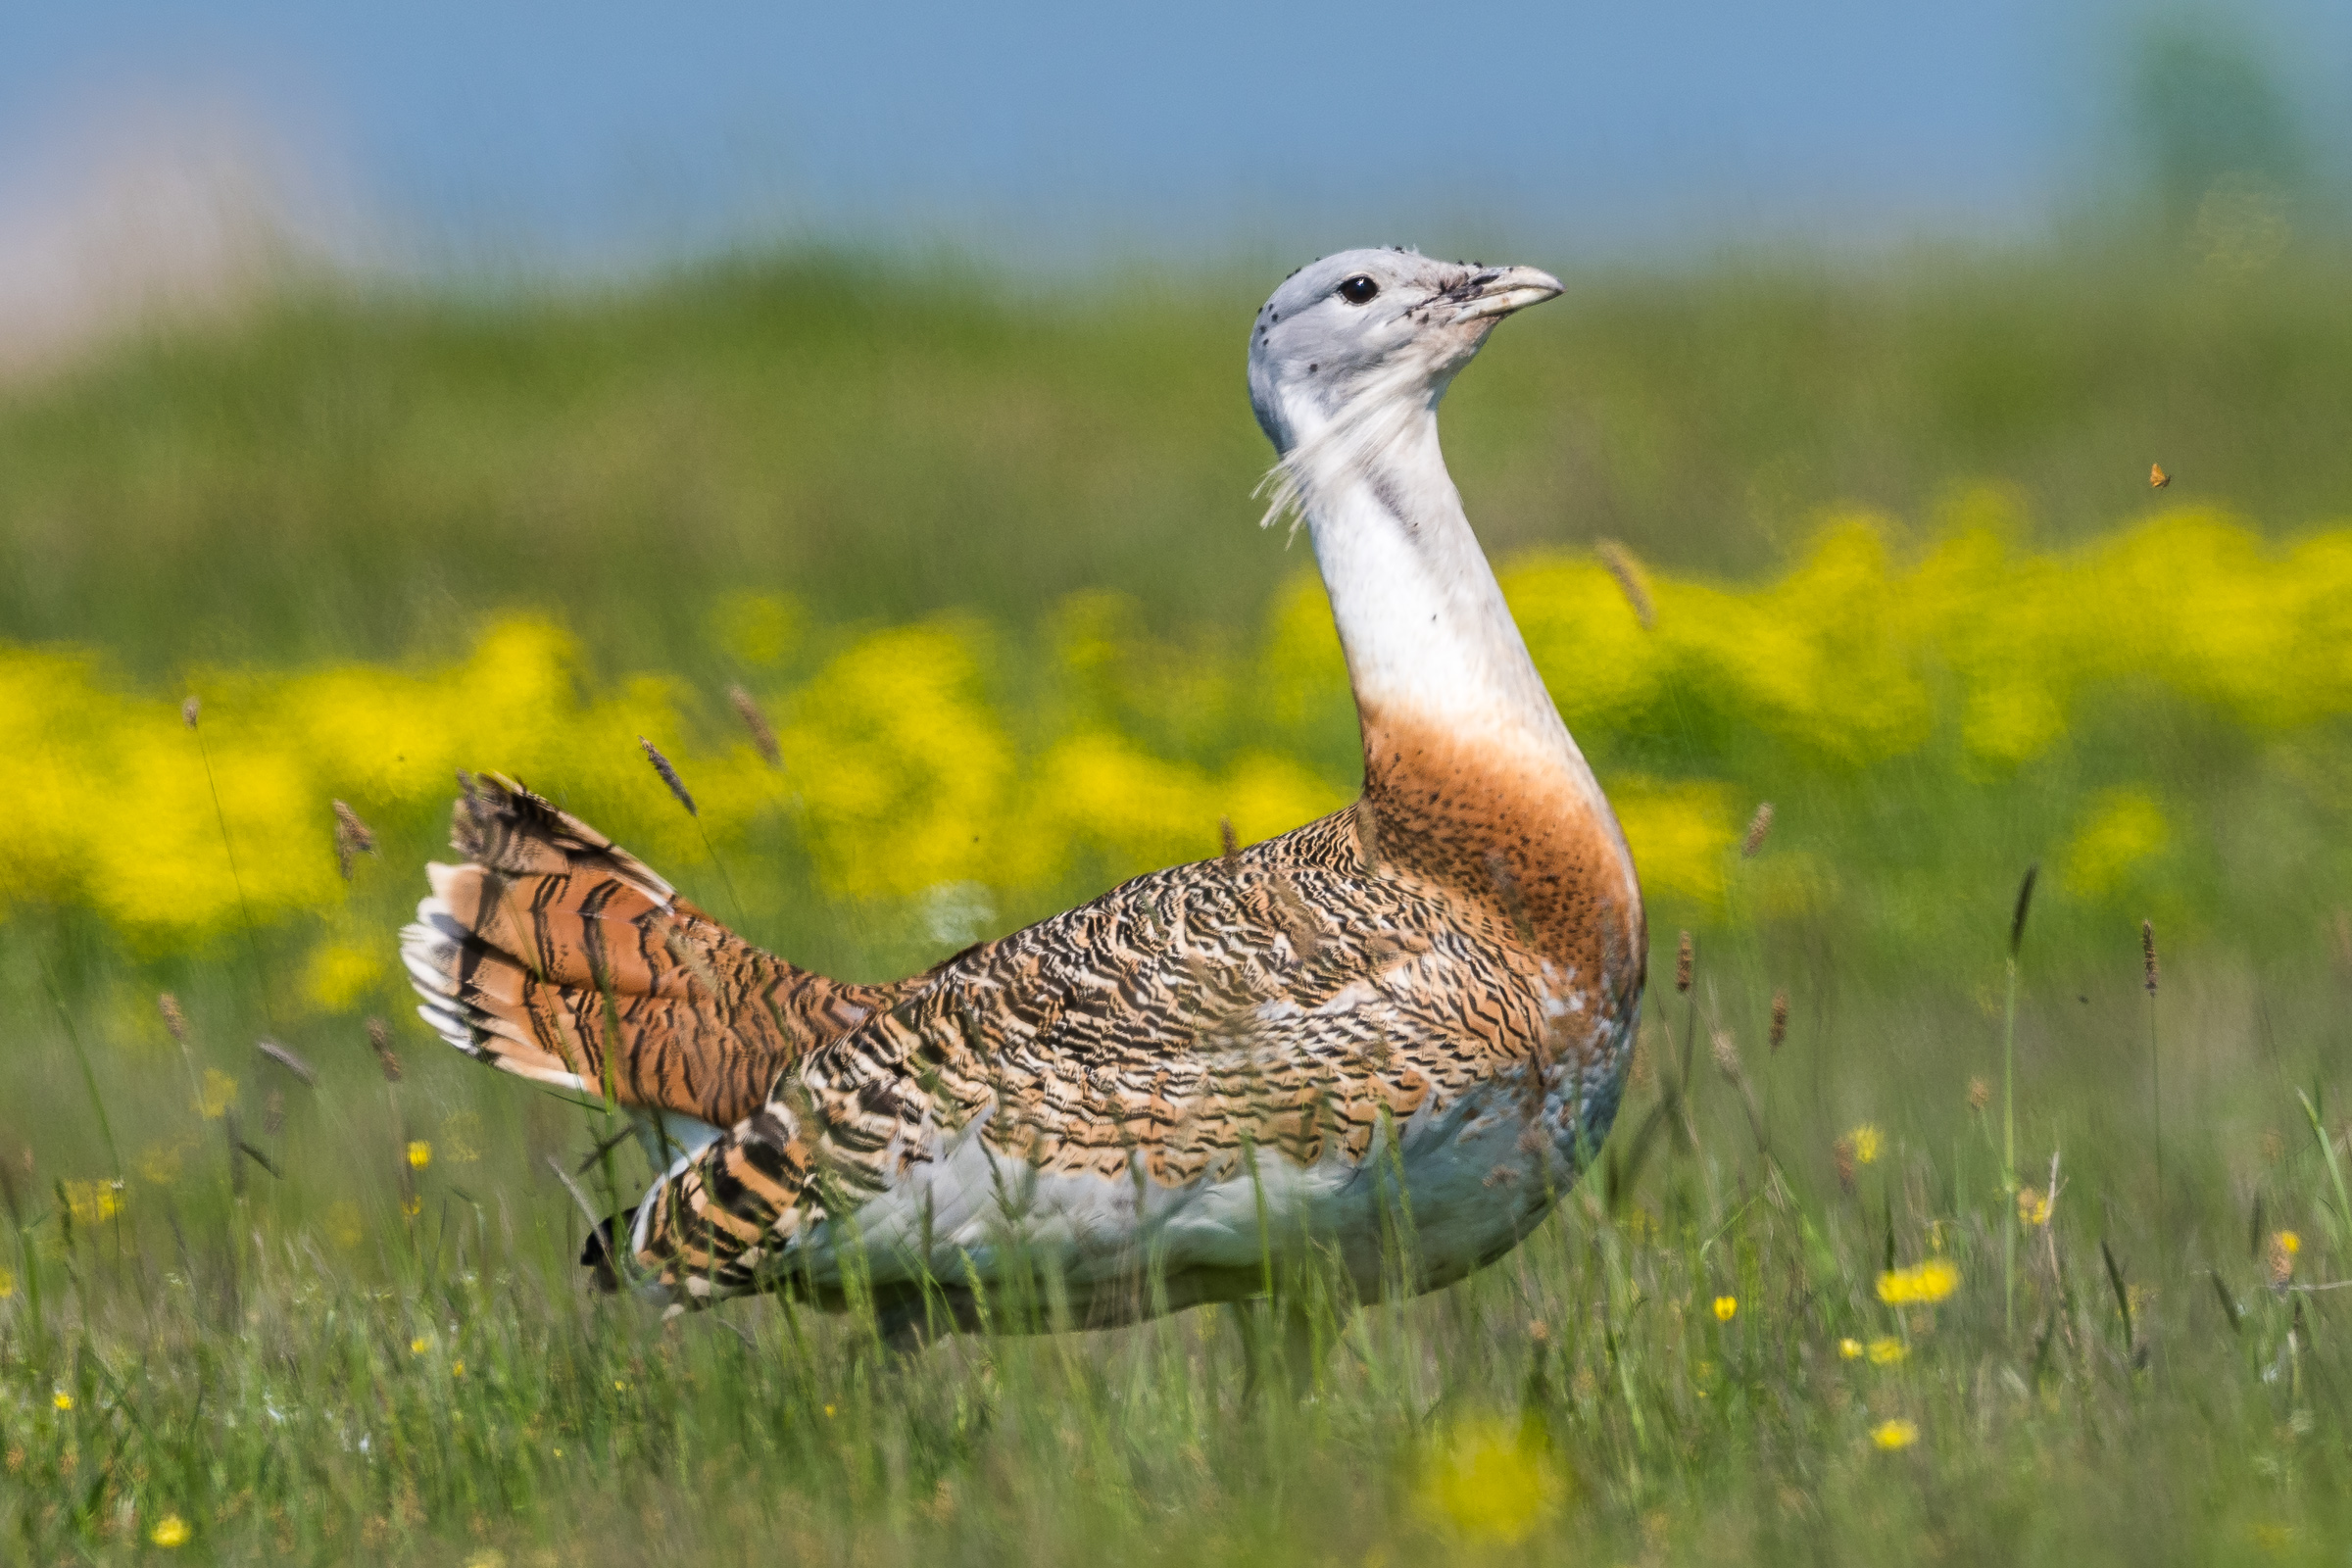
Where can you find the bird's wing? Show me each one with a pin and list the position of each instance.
(1288, 999)
(555, 955)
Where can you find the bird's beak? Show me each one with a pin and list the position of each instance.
(1515, 288)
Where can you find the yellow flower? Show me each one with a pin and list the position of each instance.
(1923, 1285)
(1886, 1351)
(171, 1531)
(1893, 1435)
(2033, 1208)
(457, 1369)
(1866, 1143)
(1726, 1309)
(413, 1208)
(340, 974)
(419, 1346)
(420, 1154)
(1848, 1349)
(62, 1399)
(2289, 1243)
(1489, 1484)
(93, 1203)
(2126, 827)
(219, 1096)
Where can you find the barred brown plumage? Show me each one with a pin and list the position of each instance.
(1425, 999)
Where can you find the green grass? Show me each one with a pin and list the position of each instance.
(362, 476)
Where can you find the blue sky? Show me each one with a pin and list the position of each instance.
(586, 129)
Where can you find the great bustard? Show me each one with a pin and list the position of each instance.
(1423, 1002)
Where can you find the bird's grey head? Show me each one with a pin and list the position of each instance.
(1374, 325)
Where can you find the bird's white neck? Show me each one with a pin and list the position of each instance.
(1470, 776)
(1429, 640)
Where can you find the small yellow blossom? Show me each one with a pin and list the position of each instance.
(160, 1163)
(62, 1399)
(1488, 1483)
(2033, 1208)
(2289, 1243)
(1886, 1351)
(1893, 1435)
(828, 1412)
(1866, 1143)
(420, 1154)
(457, 1369)
(1727, 1307)
(340, 974)
(1923, 1285)
(170, 1532)
(1848, 1349)
(413, 1207)
(419, 1346)
(219, 1096)
(93, 1203)
(8, 1284)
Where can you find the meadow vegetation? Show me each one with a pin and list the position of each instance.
(1934, 1225)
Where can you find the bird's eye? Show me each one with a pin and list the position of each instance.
(1359, 290)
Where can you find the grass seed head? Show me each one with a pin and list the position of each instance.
(1232, 845)
(1758, 826)
(191, 710)
(174, 1019)
(1780, 1021)
(670, 775)
(2147, 954)
(287, 1060)
(1979, 1094)
(2024, 903)
(379, 1036)
(2285, 1245)
(755, 721)
(1682, 962)
(1621, 565)
(1727, 1053)
(353, 838)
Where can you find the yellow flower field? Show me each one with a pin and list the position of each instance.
(902, 773)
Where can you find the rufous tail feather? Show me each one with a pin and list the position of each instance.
(557, 955)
